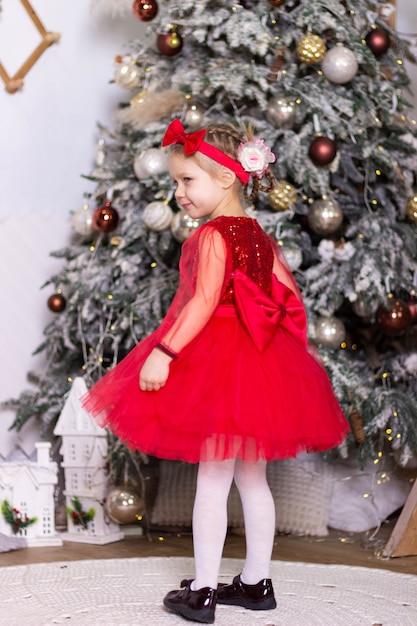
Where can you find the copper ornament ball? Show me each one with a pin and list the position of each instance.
(394, 320)
(322, 151)
(378, 41)
(276, 3)
(56, 303)
(412, 306)
(169, 44)
(145, 10)
(105, 218)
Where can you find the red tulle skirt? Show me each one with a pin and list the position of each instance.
(223, 399)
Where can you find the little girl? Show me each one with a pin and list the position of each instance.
(226, 380)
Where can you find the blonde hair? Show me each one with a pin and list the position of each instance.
(227, 138)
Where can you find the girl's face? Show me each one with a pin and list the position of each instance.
(197, 192)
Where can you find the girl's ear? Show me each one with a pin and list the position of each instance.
(227, 177)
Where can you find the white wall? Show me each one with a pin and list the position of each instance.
(47, 140)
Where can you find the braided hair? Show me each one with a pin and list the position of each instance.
(228, 139)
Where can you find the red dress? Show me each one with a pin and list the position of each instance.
(244, 384)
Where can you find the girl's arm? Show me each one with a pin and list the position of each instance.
(195, 314)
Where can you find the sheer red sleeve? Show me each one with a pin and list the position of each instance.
(209, 281)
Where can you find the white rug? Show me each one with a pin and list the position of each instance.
(130, 591)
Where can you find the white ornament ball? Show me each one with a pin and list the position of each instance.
(157, 216)
(183, 225)
(150, 162)
(82, 221)
(325, 216)
(329, 331)
(293, 256)
(339, 65)
(127, 73)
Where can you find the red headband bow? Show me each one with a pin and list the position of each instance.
(194, 142)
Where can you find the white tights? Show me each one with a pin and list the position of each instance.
(214, 480)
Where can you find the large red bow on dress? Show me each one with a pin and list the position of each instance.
(175, 133)
(262, 314)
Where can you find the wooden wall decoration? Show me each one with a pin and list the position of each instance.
(16, 82)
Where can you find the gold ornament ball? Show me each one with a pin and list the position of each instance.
(311, 49)
(282, 196)
(123, 505)
(411, 209)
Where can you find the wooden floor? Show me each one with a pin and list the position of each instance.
(338, 548)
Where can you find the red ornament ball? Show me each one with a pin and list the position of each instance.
(394, 320)
(145, 10)
(322, 151)
(276, 3)
(105, 218)
(56, 303)
(378, 41)
(169, 44)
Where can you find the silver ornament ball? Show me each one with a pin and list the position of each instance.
(123, 505)
(183, 225)
(364, 308)
(329, 332)
(325, 216)
(194, 115)
(280, 112)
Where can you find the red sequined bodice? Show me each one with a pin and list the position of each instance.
(249, 250)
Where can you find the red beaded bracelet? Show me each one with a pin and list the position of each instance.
(166, 350)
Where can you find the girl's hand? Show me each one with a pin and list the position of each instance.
(155, 371)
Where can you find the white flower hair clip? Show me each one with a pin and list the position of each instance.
(255, 156)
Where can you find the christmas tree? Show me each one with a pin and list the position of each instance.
(324, 83)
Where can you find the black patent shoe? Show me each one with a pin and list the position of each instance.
(197, 606)
(259, 597)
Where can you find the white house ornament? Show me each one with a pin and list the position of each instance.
(339, 65)
(157, 216)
